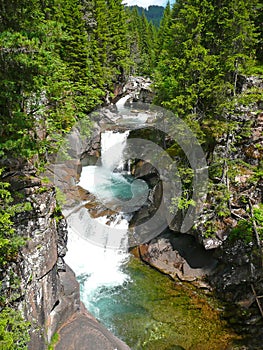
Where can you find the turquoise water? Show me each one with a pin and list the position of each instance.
(151, 312)
(141, 306)
(121, 187)
(110, 186)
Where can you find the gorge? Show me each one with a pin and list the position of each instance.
(131, 150)
(104, 199)
(103, 266)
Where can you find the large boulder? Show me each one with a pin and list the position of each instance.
(180, 256)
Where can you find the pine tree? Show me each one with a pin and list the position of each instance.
(258, 19)
(164, 31)
(117, 48)
(234, 38)
(134, 38)
(19, 43)
(76, 52)
(207, 46)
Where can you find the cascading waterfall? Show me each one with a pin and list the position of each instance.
(138, 304)
(96, 265)
(110, 181)
(112, 147)
(101, 180)
(121, 103)
(97, 248)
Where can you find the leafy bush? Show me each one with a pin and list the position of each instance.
(258, 215)
(244, 229)
(14, 333)
(10, 242)
(54, 341)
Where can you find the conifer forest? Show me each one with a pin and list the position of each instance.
(60, 60)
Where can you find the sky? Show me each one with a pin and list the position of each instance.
(146, 3)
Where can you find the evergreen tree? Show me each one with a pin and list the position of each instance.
(234, 38)
(145, 46)
(258, 19)
(164, 31)
(117, 45)
(20, 45)
(142, 39)
(134, 38)
(206, 48)
(101, 36)
(75, 51)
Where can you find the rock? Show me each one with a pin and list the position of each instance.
(238, 271)
(82, 332)
(250, 82)
(140, 89)
(62, 244)
(144, 170)
(211, 243)
(178, 256)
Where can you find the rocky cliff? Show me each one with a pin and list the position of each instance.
(49, 295)
(213, 256)
(229, 229)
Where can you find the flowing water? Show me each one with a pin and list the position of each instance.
(141, 306)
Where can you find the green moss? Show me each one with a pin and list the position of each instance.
(243, 231)
(53, 342)
(60, 196)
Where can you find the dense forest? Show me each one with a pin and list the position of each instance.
(59, 60)
(153, 13)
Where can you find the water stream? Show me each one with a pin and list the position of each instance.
(101, 243)
(144, 308)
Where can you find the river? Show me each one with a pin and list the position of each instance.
(141, 306)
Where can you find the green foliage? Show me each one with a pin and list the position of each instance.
(10, 242)
(142, 41)
(220, 196)
(205, 50)
(243, 231)
(182, 203)
(61, 200)
(13, 330)
(59, 60)
(258, 216)
(205, 47)
(54, 341)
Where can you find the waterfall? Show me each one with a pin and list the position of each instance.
(96, 253)
(129, 167)
(121, 103)
(101, 180)
(112, 147)
(98, 248)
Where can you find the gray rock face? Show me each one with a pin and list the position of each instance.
(40, 286)
(83, 332)
(139, 88)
